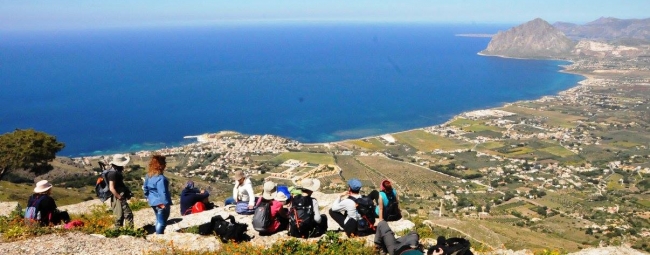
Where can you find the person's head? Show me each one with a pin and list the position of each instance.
(374, 195)
(269, 190)
(157, 165)
(189, 184)
(309, 185)
(239, 177)
(119, 161)
(386, 185)
(355, 186)
(280, 197)
(43, 187)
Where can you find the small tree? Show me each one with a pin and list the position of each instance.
(27, 149)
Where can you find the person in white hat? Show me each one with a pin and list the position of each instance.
(242, 194)
(307, 187)
(120, 191)
(42, 208)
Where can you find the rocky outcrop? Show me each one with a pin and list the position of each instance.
(533, 39)
(7, 207)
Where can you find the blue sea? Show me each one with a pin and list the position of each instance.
(118, 90)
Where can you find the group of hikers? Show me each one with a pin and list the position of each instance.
(278, 208)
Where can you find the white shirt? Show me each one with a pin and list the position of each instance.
(348, 205)
(244, 192)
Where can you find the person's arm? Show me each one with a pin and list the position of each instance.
(336, 205)
(251, 195)
(235, 192)
(111, 187)
(381, 207)
(163, 187)
(317, 217)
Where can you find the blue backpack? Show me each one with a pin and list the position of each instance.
(31, 212)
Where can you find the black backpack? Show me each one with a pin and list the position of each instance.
(366, 209)
(101, 187)
(227, 229)
(391, 211)
(262, 216)
(301, 217)
(452, 246)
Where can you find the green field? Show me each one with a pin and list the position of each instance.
(473, 125)
(424, 141)
(558, 151)
(371, 144)
(554, 118)
(316, 158)
(613, 182)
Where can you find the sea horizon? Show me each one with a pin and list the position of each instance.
(109, 91)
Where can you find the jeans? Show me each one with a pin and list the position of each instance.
(229, 201)
(162, 214)
(386, 238)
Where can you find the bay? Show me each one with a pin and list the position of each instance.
(118, 90)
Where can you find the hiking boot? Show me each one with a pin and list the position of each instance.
(380, 249)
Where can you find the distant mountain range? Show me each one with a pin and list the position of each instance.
(608, 29)
(539, 39)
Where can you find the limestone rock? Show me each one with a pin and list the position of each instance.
(7, 207)
(533, 39)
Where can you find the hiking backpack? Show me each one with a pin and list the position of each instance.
(301, 216)
(262, 216)
(228, 229)
(31, 212)
(102, 189)
(391, 211)
(366, 210)
(452, 246)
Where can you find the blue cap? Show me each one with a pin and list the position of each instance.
(189, 184)
(354, 184)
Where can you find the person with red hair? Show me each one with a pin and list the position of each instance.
(156, 189)
(388, 205)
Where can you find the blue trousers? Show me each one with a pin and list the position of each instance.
(161, 218)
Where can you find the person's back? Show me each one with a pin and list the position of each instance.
(190, 196)
(305, 208)
(41, 206)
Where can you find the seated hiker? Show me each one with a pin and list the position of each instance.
(242, 194)
(305, 219)
(41, 207)
(355, 218)
(387, 204)
(386, 242)
(192, 199)
(270, 215)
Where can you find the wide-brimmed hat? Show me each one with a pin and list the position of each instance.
(42, 186)
(238, 175)
(120, 160)
(310, 184)
(269, 190)
(280, 197)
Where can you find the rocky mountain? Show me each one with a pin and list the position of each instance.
(533, 39)
(608, 29)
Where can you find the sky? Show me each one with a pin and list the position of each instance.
(84, 14)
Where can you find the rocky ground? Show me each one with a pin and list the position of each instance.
(78, 243)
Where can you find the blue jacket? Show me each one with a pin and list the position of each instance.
(156, 189)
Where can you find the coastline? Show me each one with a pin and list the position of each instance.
(563, 70)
